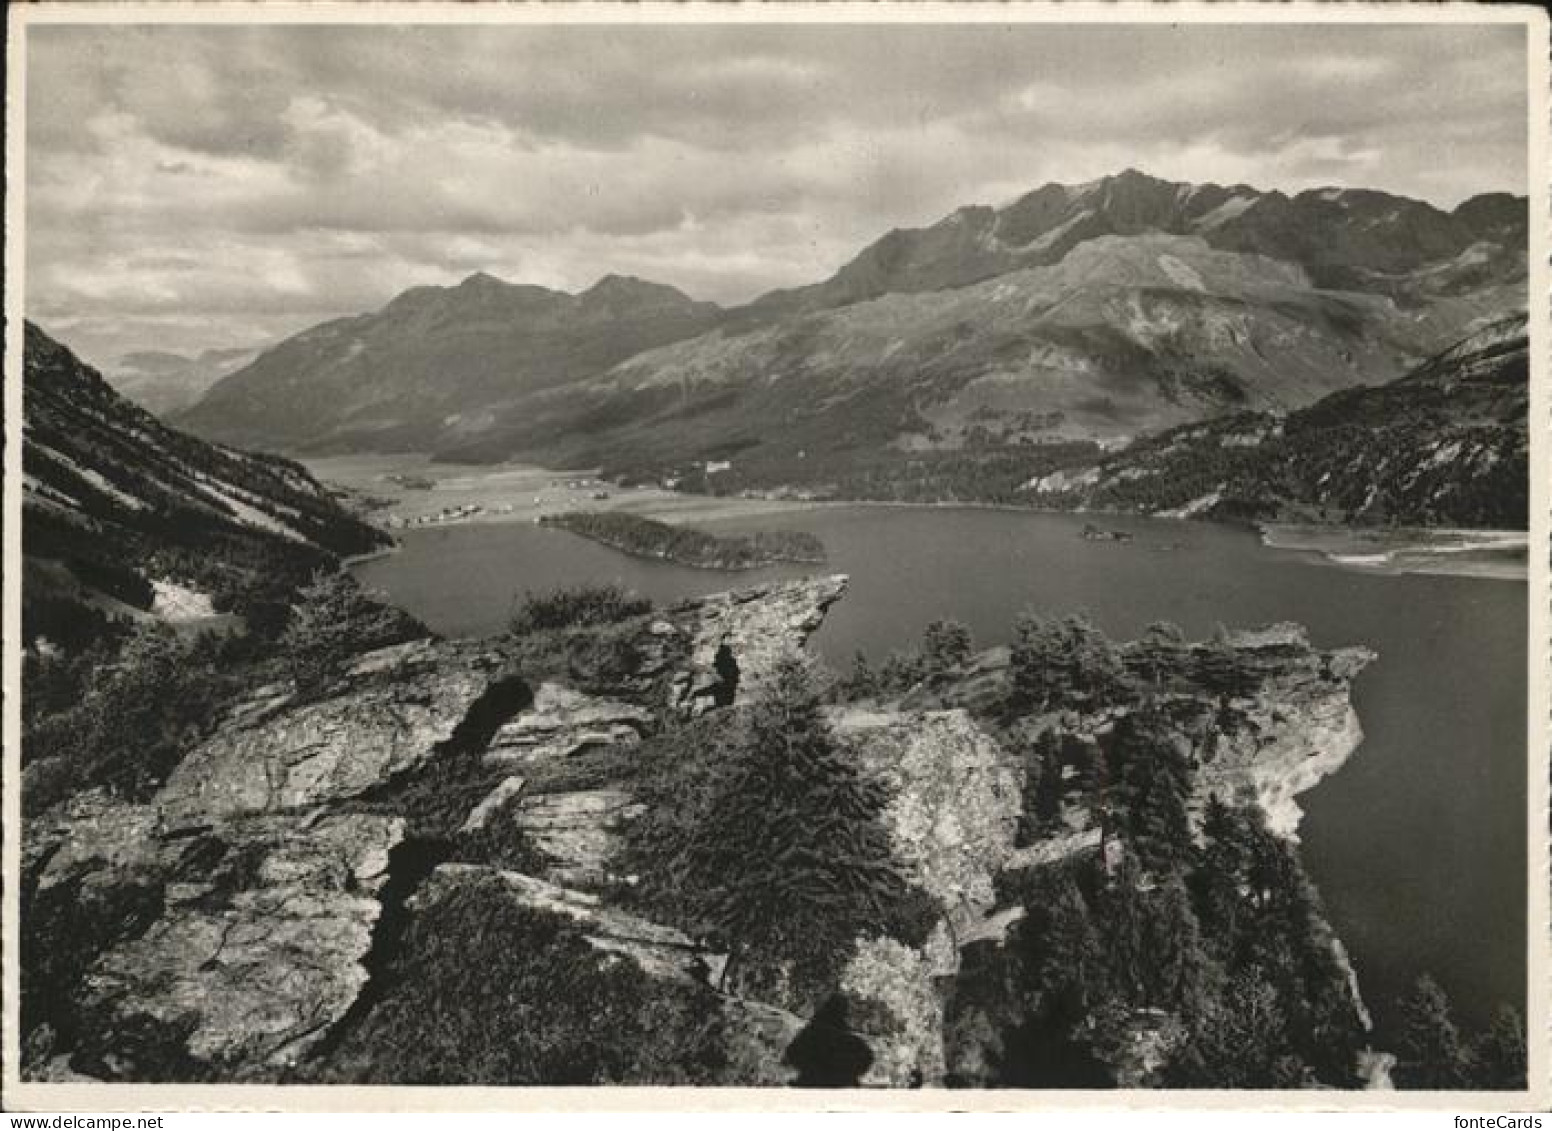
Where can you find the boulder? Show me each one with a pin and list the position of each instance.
(895, 1007)
(955, 798)
(758, 1036)
(259, 947)
(390, 712)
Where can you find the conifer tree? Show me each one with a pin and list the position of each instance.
(1238, 1040)
(1152, 785)
(1432, 1054)
(1062, 663)
(333, 619)
(1499, 1053)
(784, 858)
(946, 644)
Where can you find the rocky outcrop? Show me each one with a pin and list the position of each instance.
(562, 722)
(268, 850)
(954, 798)
(952, 816)
(1299, 726)
(92, 833)
(737, 638)
(1289, 727)
(388, 715)
(258, 947)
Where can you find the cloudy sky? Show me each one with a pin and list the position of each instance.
(212, 186)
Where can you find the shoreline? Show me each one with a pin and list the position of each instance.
(1483, 554)
(504, 493)
(348, 561)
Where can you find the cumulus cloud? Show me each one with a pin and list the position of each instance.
(213, 185)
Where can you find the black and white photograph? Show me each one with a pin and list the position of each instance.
(867, 549)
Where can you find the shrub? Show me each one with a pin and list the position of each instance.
(135, 714)
(488, 992)
(576, 605)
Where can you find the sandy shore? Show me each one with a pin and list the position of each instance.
(1493, 554)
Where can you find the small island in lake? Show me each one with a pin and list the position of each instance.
(1094, 533)
(687, 546)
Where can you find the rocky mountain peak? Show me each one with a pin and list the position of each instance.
(482, 280)
(620, 292)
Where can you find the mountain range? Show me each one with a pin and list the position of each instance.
(164, 382)
(437, 358)
(1097, 312)
(1345, 239)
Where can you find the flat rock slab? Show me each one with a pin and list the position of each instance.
(580, 831)
(562, 722)
(1051, 850)
(492, 804)
(660, 951)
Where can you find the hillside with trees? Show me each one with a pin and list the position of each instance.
(162, 576)
(1446, 445)
(115, 503)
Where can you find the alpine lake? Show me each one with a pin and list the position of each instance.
(1417, 845)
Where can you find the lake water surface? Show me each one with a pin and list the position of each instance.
(1417, 845)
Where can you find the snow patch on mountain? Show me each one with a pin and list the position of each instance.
(1181, 274)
